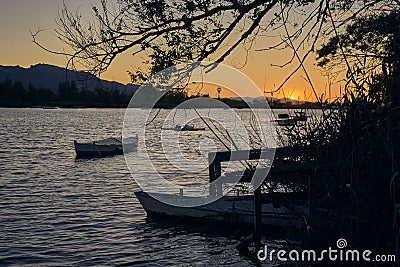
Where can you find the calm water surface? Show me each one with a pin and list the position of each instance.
(56, 210)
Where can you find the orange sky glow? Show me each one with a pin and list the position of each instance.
(18, 17)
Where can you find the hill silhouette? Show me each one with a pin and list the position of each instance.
(50, 77)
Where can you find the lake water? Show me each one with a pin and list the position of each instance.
(55, 210)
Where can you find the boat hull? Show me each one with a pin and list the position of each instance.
(93, 150)
(105, 148)
(227, 209)
(286, 122)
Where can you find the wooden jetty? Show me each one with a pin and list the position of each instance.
(291, 165)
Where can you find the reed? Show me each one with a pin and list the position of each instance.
(357, 157)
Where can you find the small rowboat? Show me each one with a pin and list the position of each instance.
(286, 120)
(228, 209)
(187, 127)
(105, 147)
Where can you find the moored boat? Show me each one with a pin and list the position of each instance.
(286, 120)
(187, 127)
(230, 209)
(300, 116)
(105, 147)
(268, 208)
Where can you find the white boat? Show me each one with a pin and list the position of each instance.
(286, 120)
(271, 208)
(105, 147)
(187, 127)
(230, 209)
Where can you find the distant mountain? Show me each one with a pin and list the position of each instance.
(245, 98)
(49, 77)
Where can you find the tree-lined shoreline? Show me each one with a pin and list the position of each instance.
(15, 95)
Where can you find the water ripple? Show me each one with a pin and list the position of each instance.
(56, 211)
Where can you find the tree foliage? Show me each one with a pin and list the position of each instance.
(369, 49)
(175, 31)
(363, 133)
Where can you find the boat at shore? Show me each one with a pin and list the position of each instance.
(229, 209)
(105, 147)
(285, 208)
(277, 208)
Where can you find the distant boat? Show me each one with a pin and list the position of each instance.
(283, 116)
(49, 107)
(106, 147)
(187, 127)
(286, 120)
(300, 116)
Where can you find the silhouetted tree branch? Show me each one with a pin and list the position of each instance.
(179, 31)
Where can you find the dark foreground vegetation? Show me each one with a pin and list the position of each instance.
(357, 145)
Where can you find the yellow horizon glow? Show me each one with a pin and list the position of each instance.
(18, 17)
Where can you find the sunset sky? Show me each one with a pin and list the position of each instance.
(18, 17)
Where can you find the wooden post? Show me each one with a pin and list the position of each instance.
(214, 171)
(257, 217)
(211, 173)
(217, 173)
